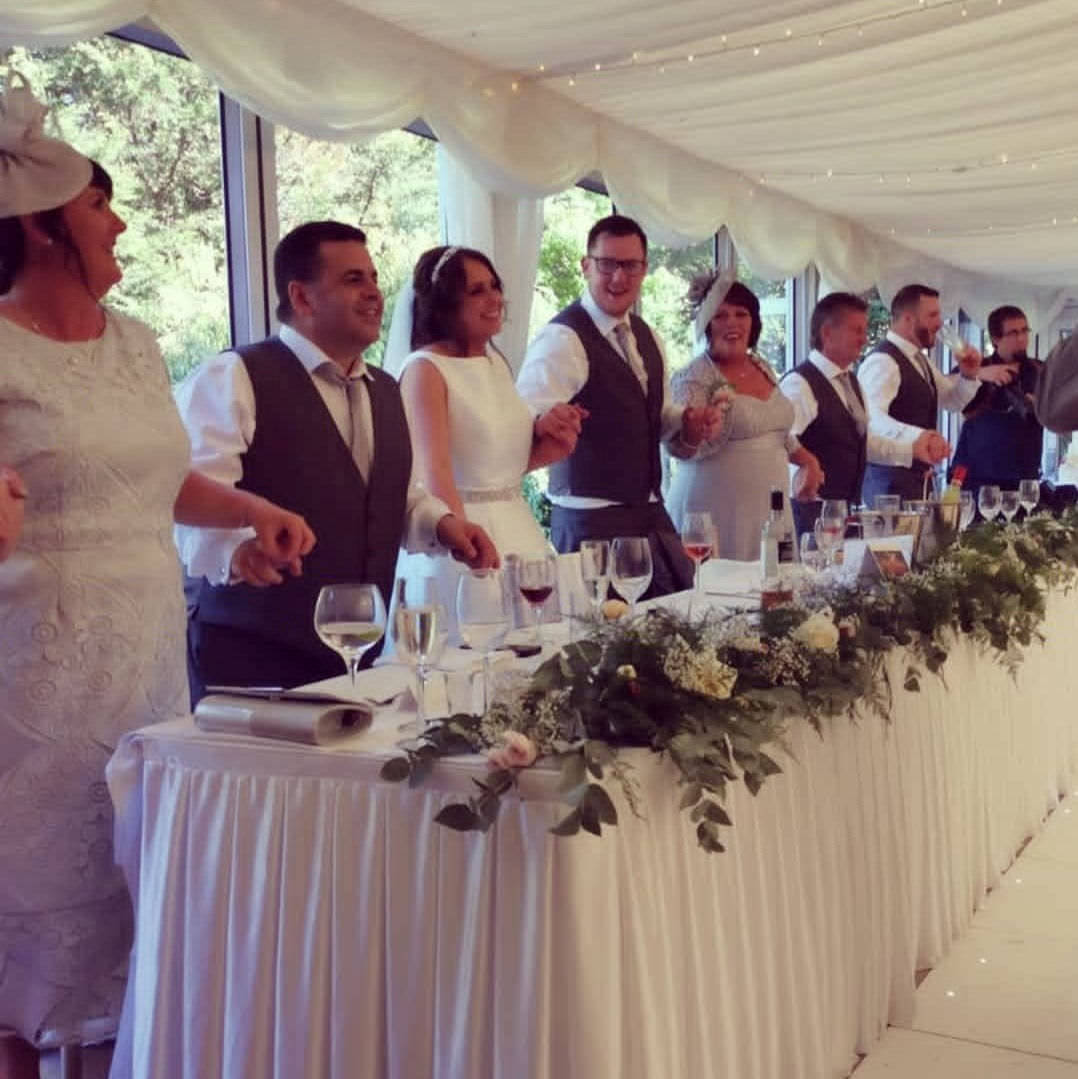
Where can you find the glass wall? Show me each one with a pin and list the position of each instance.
(663, 297)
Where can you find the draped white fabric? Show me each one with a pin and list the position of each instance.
(297, 917)
(894, 141)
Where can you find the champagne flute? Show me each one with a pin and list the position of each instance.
(595, 570)
(1009, 504)
(631, 567)
(420, 631)
(1029, 494)
(696, 532)
(988, 500)
(350, 619)
(967, 510)
(483, 616)
(536, 577)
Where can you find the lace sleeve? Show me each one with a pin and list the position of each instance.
(694, 386)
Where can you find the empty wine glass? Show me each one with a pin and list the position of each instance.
(536, 577)
(595, 570)
(829, 533)
(696, 532)
(1029, 494)
(420, 631)
(967, 508)
(630, 572)
(811, 556)
(350, 619)
(1009, 504)
(988, 500)
(483, 616)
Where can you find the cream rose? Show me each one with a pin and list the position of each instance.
(516, 751)
(818, 632)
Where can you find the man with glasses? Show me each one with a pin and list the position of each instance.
(598, 354)
(1001, 441)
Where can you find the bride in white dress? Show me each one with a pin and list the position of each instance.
(472, 435)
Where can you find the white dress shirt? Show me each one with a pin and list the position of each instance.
(880, 377)
(555, 370)
(217, 405)
(881, 450)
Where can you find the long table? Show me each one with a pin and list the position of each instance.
(297, 917)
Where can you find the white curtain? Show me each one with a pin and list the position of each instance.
(505, 228)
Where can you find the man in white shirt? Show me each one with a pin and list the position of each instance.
(302, 416)
(599, 355)
(904, 390)
(830, 417)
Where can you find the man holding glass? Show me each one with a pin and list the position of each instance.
(905, 390)
(301, 418)
(598, 354)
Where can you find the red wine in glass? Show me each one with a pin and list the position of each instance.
(698, 551)
(537, 596)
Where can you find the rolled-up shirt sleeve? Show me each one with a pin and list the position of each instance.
(879, 377)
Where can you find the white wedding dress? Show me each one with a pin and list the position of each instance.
(91, 646)
(490, 439)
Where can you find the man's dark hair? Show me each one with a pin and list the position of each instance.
(999, 316)
(908, 297)
(299, 257)
(830, 310)
(616, 225)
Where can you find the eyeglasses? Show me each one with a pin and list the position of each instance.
(609, 267)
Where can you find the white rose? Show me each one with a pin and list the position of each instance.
(818, 632)
(627, 671)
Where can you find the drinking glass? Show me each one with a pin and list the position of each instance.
(350, 619)
(954, 341)
(830, 533)
(420, 630)
(483, 616)
(595, 570)
(873, 525)
(1009, 504)
(890, 506)
(536, 577)
(696, 532)
(811, 556)
(966, 511)
(988, 501)
(1029, 494)
(630, 558)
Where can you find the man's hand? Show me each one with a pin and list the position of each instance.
(562, 423)
(808, 480)
(998, 373)
(700, 424)
(467, 543)
(969, 362)
(282, 536)
(12, 507)
(253, 566)
(931, 447)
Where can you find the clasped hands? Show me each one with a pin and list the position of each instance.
(562, 423)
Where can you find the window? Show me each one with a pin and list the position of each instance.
(151, 119)
(663, 297)
(776, 314)
(387, 186)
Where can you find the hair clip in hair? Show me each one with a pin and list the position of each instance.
(446, 255)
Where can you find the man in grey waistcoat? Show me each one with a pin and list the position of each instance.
(598, 354)
(301, 418)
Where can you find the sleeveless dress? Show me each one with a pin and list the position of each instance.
(91, 646)
(490, 439)
(732, 477)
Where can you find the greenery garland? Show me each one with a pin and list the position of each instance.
(717, 694)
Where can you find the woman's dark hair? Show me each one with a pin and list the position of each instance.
(51, 222)
(438, 295)
(737, 294)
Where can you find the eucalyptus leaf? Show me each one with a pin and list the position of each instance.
(598, 799)
(396, 770)
(574, 772)
(459, 817)
(691, 795)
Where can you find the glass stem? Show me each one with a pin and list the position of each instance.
(421, 697)
(486, 682)
(353, 667)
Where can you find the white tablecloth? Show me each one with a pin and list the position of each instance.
(299, 918)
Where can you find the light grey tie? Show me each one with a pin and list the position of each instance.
(851, 400)
(627, 344)
(926, 367)
(358, 437)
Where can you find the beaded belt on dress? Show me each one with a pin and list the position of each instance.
(490, 494)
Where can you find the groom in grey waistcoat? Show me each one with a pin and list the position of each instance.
(598, 354)
(301, 419)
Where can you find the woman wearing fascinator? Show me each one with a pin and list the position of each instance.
(732, 477)
(94, 472)
(472, 434)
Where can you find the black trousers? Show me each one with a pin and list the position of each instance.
(671, 567)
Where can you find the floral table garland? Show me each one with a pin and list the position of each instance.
(717, 694)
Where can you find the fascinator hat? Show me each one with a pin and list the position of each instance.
(37, 172)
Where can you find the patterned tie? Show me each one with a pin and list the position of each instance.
(627, 344)
(851, 400)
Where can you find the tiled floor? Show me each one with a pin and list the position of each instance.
(1004, 1002)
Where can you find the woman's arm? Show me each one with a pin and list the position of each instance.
(809, 476)
(697, 386)
(426, 403)
(554, 435)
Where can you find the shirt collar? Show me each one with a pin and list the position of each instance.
(312, 357)
(604, 323)
(824, 365)
(909, 349)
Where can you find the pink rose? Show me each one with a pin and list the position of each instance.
(516, 751)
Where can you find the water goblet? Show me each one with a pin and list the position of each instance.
(696, 532)
(420, 631)
(1029, 494)
(483, 616)
(351, 619)
(812, 557)
(630, 560)
(830, 533)
(536, 577)
(1009, 504)
(595, 570)
(988, 499)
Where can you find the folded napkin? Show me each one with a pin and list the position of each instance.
(307, 720)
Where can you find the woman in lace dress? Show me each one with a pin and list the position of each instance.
(91, 608)
(732, 477)
(472, 435)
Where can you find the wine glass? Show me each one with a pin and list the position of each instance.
(1029, 494)
(890, 506)
(595, 570)
(696, 532)
(955, 342)
(483, 616)
(829, 533)
(1009, 504)
(966, 510)
(811, 556)
(350, 619)
(420, 632)
(988, 500)
(631, 567)
(536, 577)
